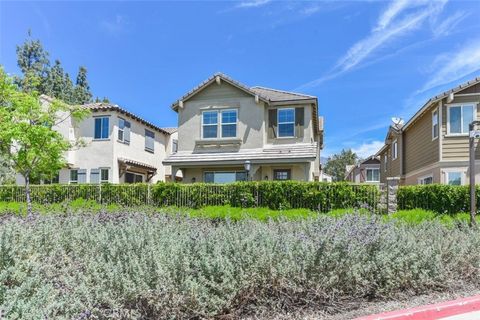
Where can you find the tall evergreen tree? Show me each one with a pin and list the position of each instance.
(33, 61)
(55, 85)
(68, 90)
(82, 92)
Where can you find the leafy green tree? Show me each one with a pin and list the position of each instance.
(336, 164)
(7, 176)
(33, 61)
(28, 140)
(82, 92)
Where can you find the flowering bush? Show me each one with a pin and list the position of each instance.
(133, 266)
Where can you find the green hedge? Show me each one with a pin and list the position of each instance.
(276, 195)
(436, 197)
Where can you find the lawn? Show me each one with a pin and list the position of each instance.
(180, 264)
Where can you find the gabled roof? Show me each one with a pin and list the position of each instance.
(275, 95)
(266, 95)
(212, 79)
(439, 97)
(170, 129)
(101, 106)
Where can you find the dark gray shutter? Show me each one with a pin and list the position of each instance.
(299, 122)
(82, 176)
(272, 123)
(95, 176)
(126, 132)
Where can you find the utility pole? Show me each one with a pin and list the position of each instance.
(473, 198)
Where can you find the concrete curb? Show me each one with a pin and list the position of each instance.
(430, 312)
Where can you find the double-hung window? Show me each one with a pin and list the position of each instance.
(123, 130)
(286, 122)
(229, 123)
(394, 150)
(101, 128)
(224, 176)
(225, 119)
(426, 180)
(373, 175)
(74, 176)
(454, 178)
(104, 175)
(149, 141)
(459, 117)
(282, 174)
(435, 124)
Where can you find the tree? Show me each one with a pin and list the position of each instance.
(7, 176)
(28, 141)
(336, 164)
(58, 84)
(33, 61)
(82, 92)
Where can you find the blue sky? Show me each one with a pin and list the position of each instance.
(367, 61)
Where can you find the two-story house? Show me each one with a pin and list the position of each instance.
(366, 171)
(229, 132)
(119, 147)
(433, 146)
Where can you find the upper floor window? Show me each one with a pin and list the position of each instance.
(435, 124)
(373, 175)
(385, 158)
(123, 130)
(459, 117)
(286, 122)
(101, 128)
(174, 145)
(149, 140)
(227, 120)
(394, 150)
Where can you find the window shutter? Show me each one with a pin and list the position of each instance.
(82, 176)
(299, 122)
(272, 123)
(126, 132)
(95, 176)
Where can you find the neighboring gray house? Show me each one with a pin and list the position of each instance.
(120, 148)
(224, 125)
(367, 171)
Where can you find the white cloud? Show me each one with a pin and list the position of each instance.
(394, 22)
(452, 67)
(252, 4)
(368, 148)
(445, 27)
(115, 26)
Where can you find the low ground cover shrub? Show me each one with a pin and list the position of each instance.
(133, 266)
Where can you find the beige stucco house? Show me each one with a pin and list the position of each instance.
(432, 147)
(222, 124)
(120, 147)
(366, 171)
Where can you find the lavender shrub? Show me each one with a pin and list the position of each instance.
(133, 266)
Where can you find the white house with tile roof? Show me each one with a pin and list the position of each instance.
(223, 124)
(120, 147)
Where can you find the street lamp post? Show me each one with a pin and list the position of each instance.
(473, 199)
(247, 165)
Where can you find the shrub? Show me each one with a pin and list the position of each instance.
(140, 266)
(273, 194)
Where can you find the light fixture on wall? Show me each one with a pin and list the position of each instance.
(266, 178)
(194, 180)
(247, 165)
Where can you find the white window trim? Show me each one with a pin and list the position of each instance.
(150, 150)
(366, 175)
(70, 181)
(394, 149)
(438, 124)
(420, 179)
(474, 117)
(278, 123)
(94, 119)
(100, 177)
(219, 124)
(462, 170)
(121, 129)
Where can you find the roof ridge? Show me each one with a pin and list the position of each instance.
(282, 91)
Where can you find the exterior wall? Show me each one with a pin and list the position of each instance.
(455, 148)
(359, 173)
(419, 147)
(299, 172)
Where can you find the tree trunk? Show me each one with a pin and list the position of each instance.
(27, 194)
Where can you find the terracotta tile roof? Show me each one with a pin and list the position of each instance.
(101, 106)
(137, 164)
(170, 129)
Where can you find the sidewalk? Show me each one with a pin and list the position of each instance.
(460, 309)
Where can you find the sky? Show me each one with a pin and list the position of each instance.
(366, 61)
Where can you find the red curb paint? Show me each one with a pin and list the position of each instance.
(430, 312)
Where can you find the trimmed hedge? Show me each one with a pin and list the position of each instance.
(275, 195)
(442, 199)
